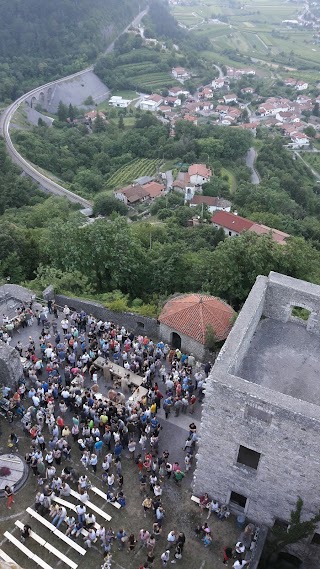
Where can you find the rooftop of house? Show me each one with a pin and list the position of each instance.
(231, 221)
(133, 193)
(154, 189)
(200, 170)
(210, 201)
(278, 236)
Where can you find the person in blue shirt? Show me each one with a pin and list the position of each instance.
(98, 446)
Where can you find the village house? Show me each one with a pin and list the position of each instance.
(230, 98)
(180, 73)
(199, 174)
(218, 84)
(301, 86)
(299, 139)
(191, 118)
(131, 195)
(151, 103)
(247, 90)
(212, 203)
(172, 101)
(176, 91)
(206, 93)
(233, 225)
(119, 102)
(92, 115)
(154, 190)
(139, 193)
(290, 82)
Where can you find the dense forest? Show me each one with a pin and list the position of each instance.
(42, 40)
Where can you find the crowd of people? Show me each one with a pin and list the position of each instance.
(66, 418)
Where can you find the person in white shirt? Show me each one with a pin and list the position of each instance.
(239, 564)
(165, 557)
(91, 538)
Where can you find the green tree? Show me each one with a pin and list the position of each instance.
(62, 112)
(99, 124)
(280, 537)
(105, 204)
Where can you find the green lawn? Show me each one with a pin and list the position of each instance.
(231, 179)
(126, 94)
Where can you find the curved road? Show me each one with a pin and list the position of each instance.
(250, 160)
(26, 166)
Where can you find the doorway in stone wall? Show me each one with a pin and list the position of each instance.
(175, 341)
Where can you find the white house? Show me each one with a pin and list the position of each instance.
(299, 139)
(151, 103)
(176, 91)
(301, 85)
(119, 102)
(217, 84)
(199, 174)
(212, 203)
(180, 73)
(230, 98)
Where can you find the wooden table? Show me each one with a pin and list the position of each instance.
(134, 379)
(138, 394)
(99, 362)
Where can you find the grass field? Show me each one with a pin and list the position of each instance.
(231, 179)
(130, 172)
(253, 29)
(313, 159)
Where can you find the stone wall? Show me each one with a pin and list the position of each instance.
(285, 292)
(288, 443)
(187, 344)
(283, 429)
(138, 324)
(10, 365)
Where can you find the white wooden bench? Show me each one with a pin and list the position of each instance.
(48, 546)
(6, 557)
(64, 503)
(56, 532)
(40, 562)
(195, 499)
(92, 506)
(104, 496)
(61, 556)
(19, 545)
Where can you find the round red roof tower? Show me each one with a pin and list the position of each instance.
(191, 314)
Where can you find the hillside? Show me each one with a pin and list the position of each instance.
(41, 40)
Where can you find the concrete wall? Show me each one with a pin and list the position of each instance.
(135, 322)
(187, 344)
(10, 365)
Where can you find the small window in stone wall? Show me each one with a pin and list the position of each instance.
(281, 524)
(140, 324)
(238, 499)
(248, 457)
(316, 539)
(301, 313)
(259, 414)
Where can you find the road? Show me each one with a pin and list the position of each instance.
(6, 117)
(221, 75)
(250, 159)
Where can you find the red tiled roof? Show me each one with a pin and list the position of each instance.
(154, 189)
(231, 221)
(277, 236)
(200, 169)
(191, 314)
(208, 200)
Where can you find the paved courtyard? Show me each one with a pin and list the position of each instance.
(181, 513)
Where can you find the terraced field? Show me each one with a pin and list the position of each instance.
(130, 172)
